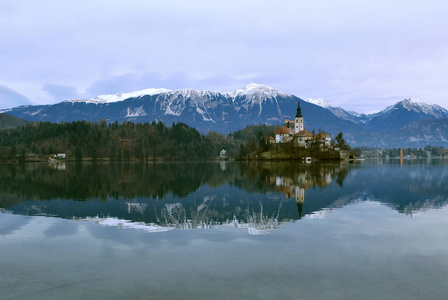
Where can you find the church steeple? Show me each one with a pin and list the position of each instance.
(298, 122)
(299, 110)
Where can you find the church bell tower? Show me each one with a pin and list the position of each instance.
(298, 122)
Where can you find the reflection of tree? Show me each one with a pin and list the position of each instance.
(259, 196)
(258, 177)
(301, 177)
(102, 189)
(129, 181)
(89, 181)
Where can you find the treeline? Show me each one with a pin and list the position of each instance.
(425, 152)
(253, 139)
(126, 141)
(83, 140)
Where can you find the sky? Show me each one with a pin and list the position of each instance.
(359, 55)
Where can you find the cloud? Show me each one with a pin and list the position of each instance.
(132, 82)
(61, 92)
(175, 81)
(315, 49)
(10, 98)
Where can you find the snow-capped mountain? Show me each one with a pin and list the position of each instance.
(256, 92)
(337, 111)
(402, 113)
(252, 92)
(320, 102)
(174, 102)
(205, 110)
(255, 104)
(418, 106)
(123, 96)
(391, 118)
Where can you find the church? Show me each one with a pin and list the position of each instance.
(295, 131)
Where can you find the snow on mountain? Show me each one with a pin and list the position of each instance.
(136, 112)
(337, 111)
(402, 113)
(418, 106)
(255, 95)
(392, 117)
(190, 93)
(356, 114)
(122, 96)
(169, 111)
(256, 90)
(253, 91)
(320, 102)
(413, 106)
(229, 111)
(173, 102)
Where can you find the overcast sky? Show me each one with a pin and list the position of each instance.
(359, 55)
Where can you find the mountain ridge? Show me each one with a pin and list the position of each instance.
(8, 121)
(230, 111)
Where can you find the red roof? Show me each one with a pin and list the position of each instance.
(304, 133)
(284, 130)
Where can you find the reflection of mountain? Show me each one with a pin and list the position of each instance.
(258, 197)
(83, 182)
(255, 224)
(182, 196)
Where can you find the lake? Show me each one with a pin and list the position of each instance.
(368, 230)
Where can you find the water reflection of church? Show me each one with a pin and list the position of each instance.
(258, 215)
(295, 187)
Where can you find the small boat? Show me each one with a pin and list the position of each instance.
(308, 160)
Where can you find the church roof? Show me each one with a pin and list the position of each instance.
(304, 133)
(284, 130)
(299, 110)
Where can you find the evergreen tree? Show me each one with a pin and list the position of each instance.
(13, 152)
(341, 141)
(78, 153)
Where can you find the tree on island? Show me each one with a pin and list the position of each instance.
(340, 141)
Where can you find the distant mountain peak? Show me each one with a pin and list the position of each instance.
(254, 104)
(418, 106)
(414, 102)
(257, 89)
(251, 91)
(320, 102)
(110, 98)
(123, 96)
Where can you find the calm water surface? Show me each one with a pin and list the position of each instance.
(224, 231)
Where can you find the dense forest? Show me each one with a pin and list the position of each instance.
(82, 140)
(128, 141)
